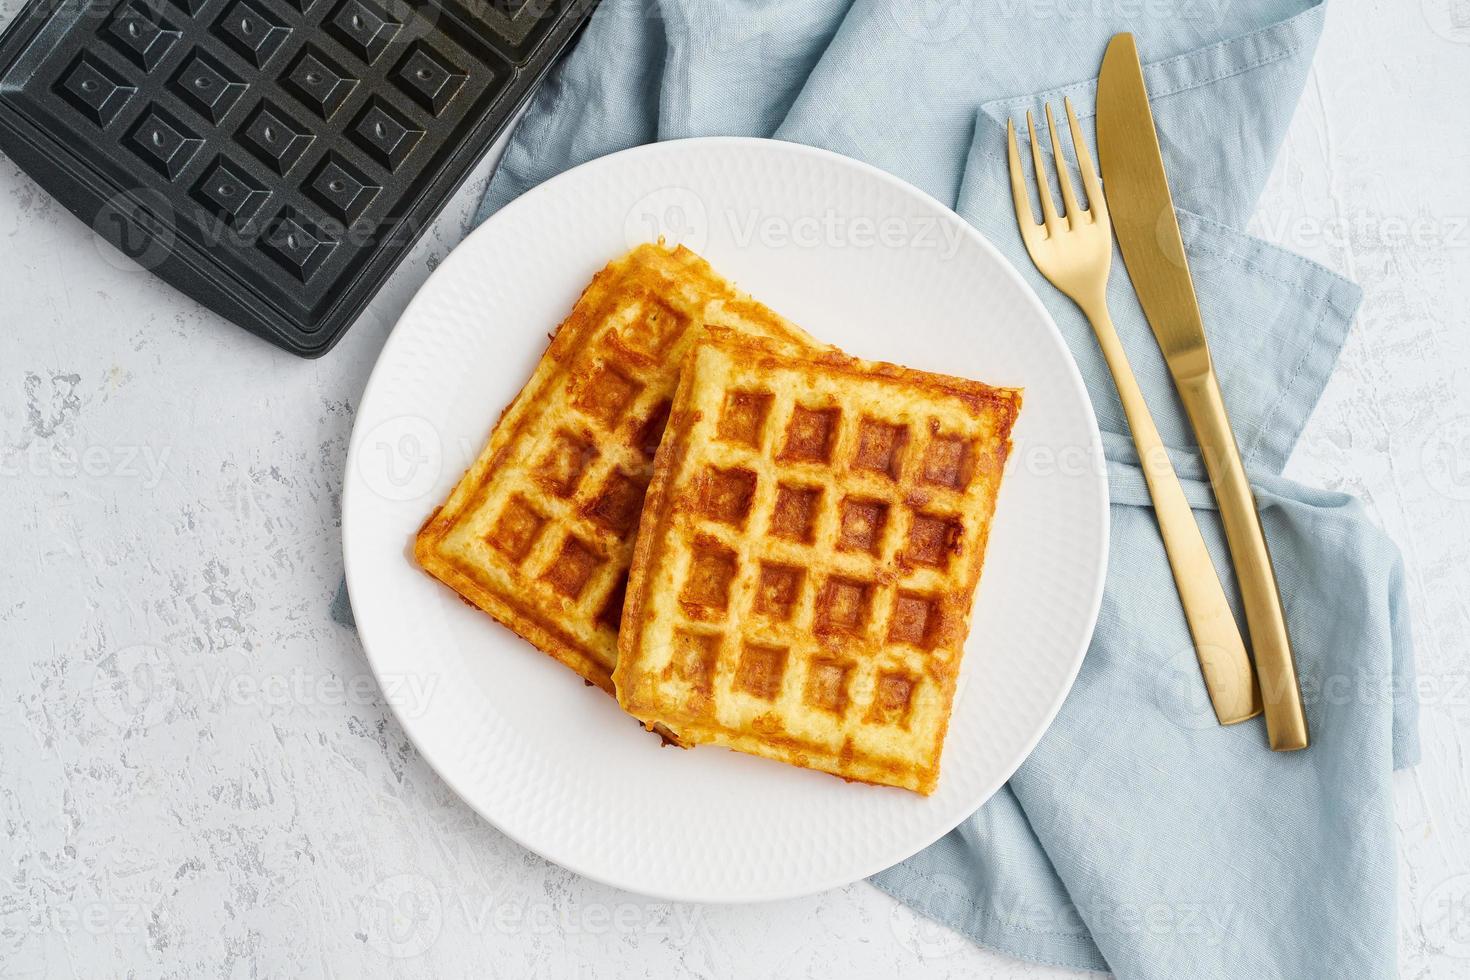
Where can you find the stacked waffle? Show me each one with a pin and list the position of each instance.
(751, 539)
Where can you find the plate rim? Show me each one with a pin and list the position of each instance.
(547, 188)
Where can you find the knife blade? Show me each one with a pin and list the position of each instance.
(1142, 207)
(1142, 211)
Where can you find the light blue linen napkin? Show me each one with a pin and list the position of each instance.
(1139, 836)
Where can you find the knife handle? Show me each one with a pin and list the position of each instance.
(1286, 722)
(1217, 642)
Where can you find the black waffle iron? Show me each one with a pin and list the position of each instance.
(272, 159)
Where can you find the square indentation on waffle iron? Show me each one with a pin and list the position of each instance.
(318, 81)
(141, 33)
(252, 31)
(207, 85)
(540, 531)
(814, 546)
(163, 141)
(275, 137)
(428, 77)
(363, 27)
(94, 89)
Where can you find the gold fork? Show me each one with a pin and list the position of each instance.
(1074, 250)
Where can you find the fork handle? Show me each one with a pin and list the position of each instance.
(1222, 658)
(1286, 723)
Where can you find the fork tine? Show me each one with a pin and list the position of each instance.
(1064, 173)
(1096, 202)
(1024, 217)
(1048, 207)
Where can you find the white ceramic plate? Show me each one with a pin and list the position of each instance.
(861, 260)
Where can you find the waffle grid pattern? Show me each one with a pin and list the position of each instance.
(287, 145)
(570, 513)
(282, 121)
(811, 595)
(540, 531)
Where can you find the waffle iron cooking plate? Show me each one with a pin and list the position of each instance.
(272, 159)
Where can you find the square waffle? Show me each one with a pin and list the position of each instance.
(539, 531)
(808, 556)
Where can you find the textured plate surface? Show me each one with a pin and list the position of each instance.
(861, 260)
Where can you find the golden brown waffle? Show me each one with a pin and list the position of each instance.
(539, 532)
(808, 556)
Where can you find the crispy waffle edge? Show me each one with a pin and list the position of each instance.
(576, 330)
(655, 527)
(546, 638)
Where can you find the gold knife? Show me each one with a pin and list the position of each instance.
(1148, 234)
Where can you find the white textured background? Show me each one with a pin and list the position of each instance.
(198, 774)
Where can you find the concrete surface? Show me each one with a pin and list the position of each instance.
(199, 776)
